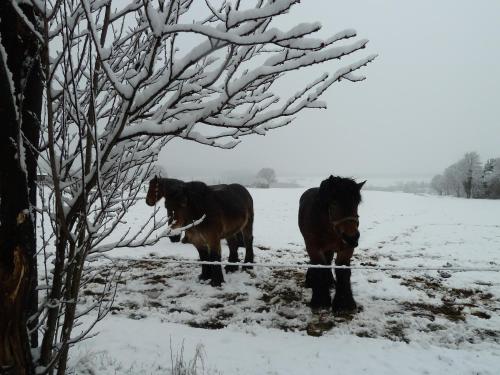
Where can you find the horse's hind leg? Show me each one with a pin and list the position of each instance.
(232, 243)
(343, 300)
(247, 233)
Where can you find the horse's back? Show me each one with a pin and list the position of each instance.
(233, 199)
(308, 214)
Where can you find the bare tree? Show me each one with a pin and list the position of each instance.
(438, 184)
(470, 170)
(465, 178)
(265, 177)
(453, 181)
(120, 83)
(491, 178)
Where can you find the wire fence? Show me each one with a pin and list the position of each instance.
(306, 266)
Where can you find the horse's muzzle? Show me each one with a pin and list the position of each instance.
(351, 240)
(176, 238)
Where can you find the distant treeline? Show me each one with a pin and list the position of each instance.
(469, 178)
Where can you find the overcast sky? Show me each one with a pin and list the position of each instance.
(432, 94)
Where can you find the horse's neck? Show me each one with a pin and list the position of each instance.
(162, 185)
(321, 205)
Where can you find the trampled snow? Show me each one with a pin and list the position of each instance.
(409, 322)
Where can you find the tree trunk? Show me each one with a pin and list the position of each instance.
(20, 108)
(468, 187)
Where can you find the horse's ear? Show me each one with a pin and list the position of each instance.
(360, 185)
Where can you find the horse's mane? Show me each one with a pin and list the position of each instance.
(196, 192)
(340, 188)
(169, 185)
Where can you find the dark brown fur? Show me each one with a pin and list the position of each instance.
(328, 221)
(228, 211)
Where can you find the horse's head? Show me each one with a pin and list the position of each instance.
(176, 202)
(185, 201)
(342, 197)
(174, 192)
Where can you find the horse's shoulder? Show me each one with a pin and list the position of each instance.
(197, 193)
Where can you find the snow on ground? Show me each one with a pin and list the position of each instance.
(424, 322)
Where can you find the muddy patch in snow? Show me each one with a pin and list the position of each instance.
(426, 308)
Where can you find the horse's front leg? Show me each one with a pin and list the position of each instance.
(205, 268)
(175, 238)
(320, 280)
(343, 300)
(214, 255)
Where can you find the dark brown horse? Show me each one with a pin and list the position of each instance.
(328, 221)
(228, 211)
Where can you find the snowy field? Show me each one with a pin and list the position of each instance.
(409, 322)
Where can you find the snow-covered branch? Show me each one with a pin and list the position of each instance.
(122, 80)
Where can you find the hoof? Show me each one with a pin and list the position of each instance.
(319, 305)
(203, 277)
(343, 305)
(230, 269)
(246, 268)
(216, 282)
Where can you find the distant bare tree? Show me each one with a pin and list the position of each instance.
(438, 184)
(265, 177)
(465, 178)
(120, 83)
(491, 177)
(453, 181)
(470, 170)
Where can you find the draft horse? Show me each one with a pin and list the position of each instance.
(328, 221)
(228, 211)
